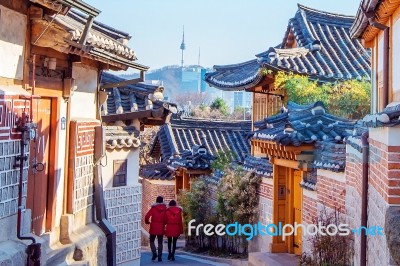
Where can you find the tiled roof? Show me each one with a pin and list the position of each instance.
(330, 156)
(198, 158)
(157, 171)
(118, 137)
(181, 135)
(103, 42)
(261, 166)
(303, 124)
(389, 117)
(134, 98)
(324, 51)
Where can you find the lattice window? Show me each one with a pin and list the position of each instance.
(120, 173)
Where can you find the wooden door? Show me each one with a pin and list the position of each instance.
(39, 155)
(282, 198)
(297, 206)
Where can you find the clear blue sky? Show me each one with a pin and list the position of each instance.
(227, 31)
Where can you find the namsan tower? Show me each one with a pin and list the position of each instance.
(183, 46)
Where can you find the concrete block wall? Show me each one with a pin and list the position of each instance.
(123, 206)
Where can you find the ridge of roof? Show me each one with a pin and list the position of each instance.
(324, 13)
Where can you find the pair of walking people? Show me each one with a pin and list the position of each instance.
(166, 221)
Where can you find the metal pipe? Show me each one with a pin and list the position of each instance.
(385, 89)
(364, 197)
(21, 159)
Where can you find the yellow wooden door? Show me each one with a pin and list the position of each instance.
(282, 197)
(297, 206)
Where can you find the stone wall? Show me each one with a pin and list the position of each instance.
(123, 206)
(80, 198)
(353, 194)
(9, 183)
(265, 206)
(152, 189)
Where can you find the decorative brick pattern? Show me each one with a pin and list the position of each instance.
(123, 206)
(85, 138)
(150, 193)
(266, 191)
(9, 178)
(10, 109)
(83, 183)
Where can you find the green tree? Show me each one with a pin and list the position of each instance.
(350, 98)
(220, 104)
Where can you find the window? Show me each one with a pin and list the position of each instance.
(120, 167)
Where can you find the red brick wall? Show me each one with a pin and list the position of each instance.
(331, 192)
(354, 171)
(309, 210)
(385, 171)
(150, 191)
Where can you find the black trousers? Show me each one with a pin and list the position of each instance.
(160, 244)
(172, 240)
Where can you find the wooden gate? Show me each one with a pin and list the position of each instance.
(297, 206)
(38, 181)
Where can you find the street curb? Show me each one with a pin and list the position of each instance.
(234, 262)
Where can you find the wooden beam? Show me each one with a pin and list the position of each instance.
(86, 30)
(121, 83)
(285, 163)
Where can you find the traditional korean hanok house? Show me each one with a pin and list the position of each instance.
(316, 44)
(377, 25)
(186, 147)
(298, 142)
(52, 54)
(128, 108)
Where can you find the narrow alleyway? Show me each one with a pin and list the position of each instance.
(180, 260)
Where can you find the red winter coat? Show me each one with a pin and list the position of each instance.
(173, 220)
(156, 212)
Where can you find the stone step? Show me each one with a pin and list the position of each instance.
(74, 263)
(272, 259)
(59, 253)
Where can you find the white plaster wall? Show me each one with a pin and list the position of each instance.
(83, 100)
(62, 137)
(12, 42)
(395, 62)
(386, 135)
(132, 155)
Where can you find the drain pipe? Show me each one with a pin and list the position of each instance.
(364, 197)
(34, 249)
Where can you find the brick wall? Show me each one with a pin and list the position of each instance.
(152, 189)
(9, 178)
(123, 206)
(309, 214)
(331, 189)
(384, 191)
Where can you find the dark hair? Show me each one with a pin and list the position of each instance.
(172, 203)
(159, 199)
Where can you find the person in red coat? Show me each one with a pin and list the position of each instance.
(155, 217)
(174, 227)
